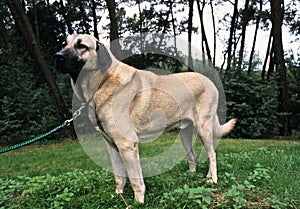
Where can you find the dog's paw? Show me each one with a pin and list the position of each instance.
(192, 167)
(211, 181)
(139, 198)
(119, 190)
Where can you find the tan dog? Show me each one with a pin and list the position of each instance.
(133, 105)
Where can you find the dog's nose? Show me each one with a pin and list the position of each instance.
(60, 56)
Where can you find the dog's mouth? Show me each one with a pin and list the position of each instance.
(69, 66)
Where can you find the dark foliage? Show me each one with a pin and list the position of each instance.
(26, 106)
(27, 109)
(254, 103)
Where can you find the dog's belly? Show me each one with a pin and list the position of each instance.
(158, 123)
(155, 131)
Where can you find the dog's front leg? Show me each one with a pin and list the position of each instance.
(118, 168)
(130, 155)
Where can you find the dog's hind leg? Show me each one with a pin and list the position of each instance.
(205, 130)
(186, 136)
(118, 168)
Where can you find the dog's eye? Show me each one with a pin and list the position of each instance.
(82, 46)
(64, 44)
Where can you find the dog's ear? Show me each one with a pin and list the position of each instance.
(104, 58)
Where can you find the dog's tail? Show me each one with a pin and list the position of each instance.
(222, 130)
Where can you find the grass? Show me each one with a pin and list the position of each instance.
(252, 174)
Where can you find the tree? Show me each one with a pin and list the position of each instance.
(66, 17)
(204, 38)
(246, 15)
(190, 28)
(277, 21)
(84, 23)
(214, 30)
(95, 19)
(114, 33)
(231, 35)
(255, 37)
(52, 20)
(292, 17)
(3, 33)
(268, 53)
(177, 67)
(27, 31)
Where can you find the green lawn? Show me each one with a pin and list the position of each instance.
(252, 174)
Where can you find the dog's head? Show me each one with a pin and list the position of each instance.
(82, 51)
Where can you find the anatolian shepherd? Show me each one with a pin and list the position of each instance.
(132, 105)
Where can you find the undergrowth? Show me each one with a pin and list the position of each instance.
(236, 194)
(86, 189)
(250, 178)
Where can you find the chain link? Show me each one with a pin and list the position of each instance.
(76, 114)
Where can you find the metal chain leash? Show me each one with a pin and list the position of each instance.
(66, 123)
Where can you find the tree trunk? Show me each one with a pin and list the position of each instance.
(223, 64)
(245, 20)
(255, 37)
(144, 57)
(36, 22)
(204, 38)
(190, 28)
(141, 29)
(263, 72)
(114, 34)
(214, 31)
(95, 20)
(277, 19)
(178, 63)
(271, 62)
(3, 33)
(27, 31)
(231, 35)
(236, 41)
(23, 4)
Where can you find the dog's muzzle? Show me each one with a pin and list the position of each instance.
(61, 58)
(68, 63)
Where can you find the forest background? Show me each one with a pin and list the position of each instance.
(262, 90)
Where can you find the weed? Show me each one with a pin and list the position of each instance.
(187, 197)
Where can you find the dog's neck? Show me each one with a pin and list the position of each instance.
(87, 84)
